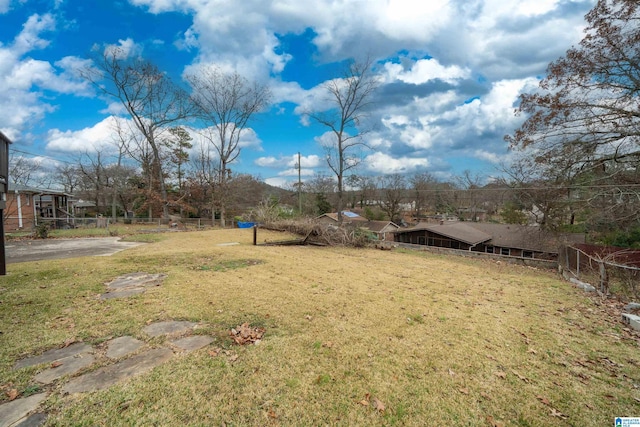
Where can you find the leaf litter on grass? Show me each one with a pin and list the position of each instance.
(246, 334)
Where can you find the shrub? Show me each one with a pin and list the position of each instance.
(42, 231)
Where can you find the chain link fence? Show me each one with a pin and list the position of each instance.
(610, 270)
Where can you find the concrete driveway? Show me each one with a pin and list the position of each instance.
(38, 250)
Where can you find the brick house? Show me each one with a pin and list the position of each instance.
(29, 206)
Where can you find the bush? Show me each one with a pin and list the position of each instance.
(42, 231)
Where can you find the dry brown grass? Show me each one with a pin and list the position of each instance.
(434, 340)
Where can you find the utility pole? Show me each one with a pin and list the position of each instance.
(299, 184)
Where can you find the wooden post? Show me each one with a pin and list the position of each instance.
(3, 262)
(255, 235)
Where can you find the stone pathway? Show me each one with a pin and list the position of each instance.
(132, 284)
(127, 355)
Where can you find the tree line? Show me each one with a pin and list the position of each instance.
(577, 153)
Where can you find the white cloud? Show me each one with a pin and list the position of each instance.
(294, 172)
(101, 136)
(125, 48)
(382, 163)
(207, 136)
(311, 161)
(23, 79)
(278, 182)
(425, 70)
(29, 38)
(4, 6)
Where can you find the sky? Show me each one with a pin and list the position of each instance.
(449, 72)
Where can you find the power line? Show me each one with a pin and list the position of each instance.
(15, 150)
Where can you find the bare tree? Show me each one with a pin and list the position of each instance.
(151, 99)
(584, 119)
(471, 195)
(350, 97)
(69, 176)
(321, 188)
(225, 103)
(23, 170)
(422, 188)
(93, 177)
(393, 189)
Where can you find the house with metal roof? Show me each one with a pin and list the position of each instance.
(347, 217)
(382, 229)
(500, 239)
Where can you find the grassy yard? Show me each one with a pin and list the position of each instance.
(353, 337)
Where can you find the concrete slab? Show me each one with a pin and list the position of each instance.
(582, 285)
(33, 420)
(68, 366)
(193, 343)
(122, 346)
(167, 328)
(136, 280)
(45, 249)
(54, 354)
(632, 306)
(109, 375)
(631, 320)
(15, 411)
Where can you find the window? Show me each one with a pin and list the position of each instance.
(527, 254)
(505, 251)
(489, 249)
(422, 240)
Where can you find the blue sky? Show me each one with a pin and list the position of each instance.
(450, 72)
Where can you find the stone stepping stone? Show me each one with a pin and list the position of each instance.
(193, 343)
(109, 375)
(68, 366)
(167, 328)
(131, 284)
(14, 411)
(122, 346)
(53, 355)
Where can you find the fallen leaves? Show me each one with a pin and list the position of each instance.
(554, 412)
(245, 334)
(271, 414)
(543, 400)
(500, 374)
(378, 405)
(525, 379)
(374, 402)
(231, 356)
(492, 422)
(56, 364)
(12, 394)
